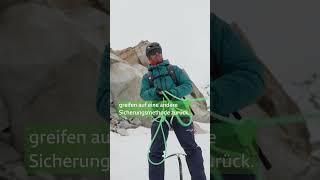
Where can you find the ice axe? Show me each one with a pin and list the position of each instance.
(179, 161)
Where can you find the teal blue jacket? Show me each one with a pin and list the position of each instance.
(184, 87)
(240, 78)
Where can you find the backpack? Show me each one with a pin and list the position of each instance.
(170, 72)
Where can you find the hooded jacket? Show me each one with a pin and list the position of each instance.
(183, 88)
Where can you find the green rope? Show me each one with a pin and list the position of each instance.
(177, 116)
(253, 123)
(163, 119)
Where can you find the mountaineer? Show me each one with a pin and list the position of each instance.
(164, 76)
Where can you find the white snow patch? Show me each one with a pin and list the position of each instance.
(128, 159)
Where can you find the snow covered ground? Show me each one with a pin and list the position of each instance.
(128, 159)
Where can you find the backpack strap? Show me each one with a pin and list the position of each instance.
(170, 71)
(150, 78)
(172, 74)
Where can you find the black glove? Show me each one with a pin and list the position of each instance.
(159, 93)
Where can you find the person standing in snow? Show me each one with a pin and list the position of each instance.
(180, 86)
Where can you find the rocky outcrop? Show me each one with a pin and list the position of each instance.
(134, 55)
(125, 82)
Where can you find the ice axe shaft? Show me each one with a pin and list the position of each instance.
(179, 161)
(180, 167)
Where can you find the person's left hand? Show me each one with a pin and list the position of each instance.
(159, 92)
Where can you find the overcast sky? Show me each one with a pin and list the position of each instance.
(180, 26)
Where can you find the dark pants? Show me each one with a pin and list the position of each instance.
(186, 139)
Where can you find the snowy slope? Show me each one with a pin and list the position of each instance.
(129, 155)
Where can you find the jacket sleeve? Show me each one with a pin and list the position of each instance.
(185, 84)
(102, 97)
(241, 81)
(146, 92)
